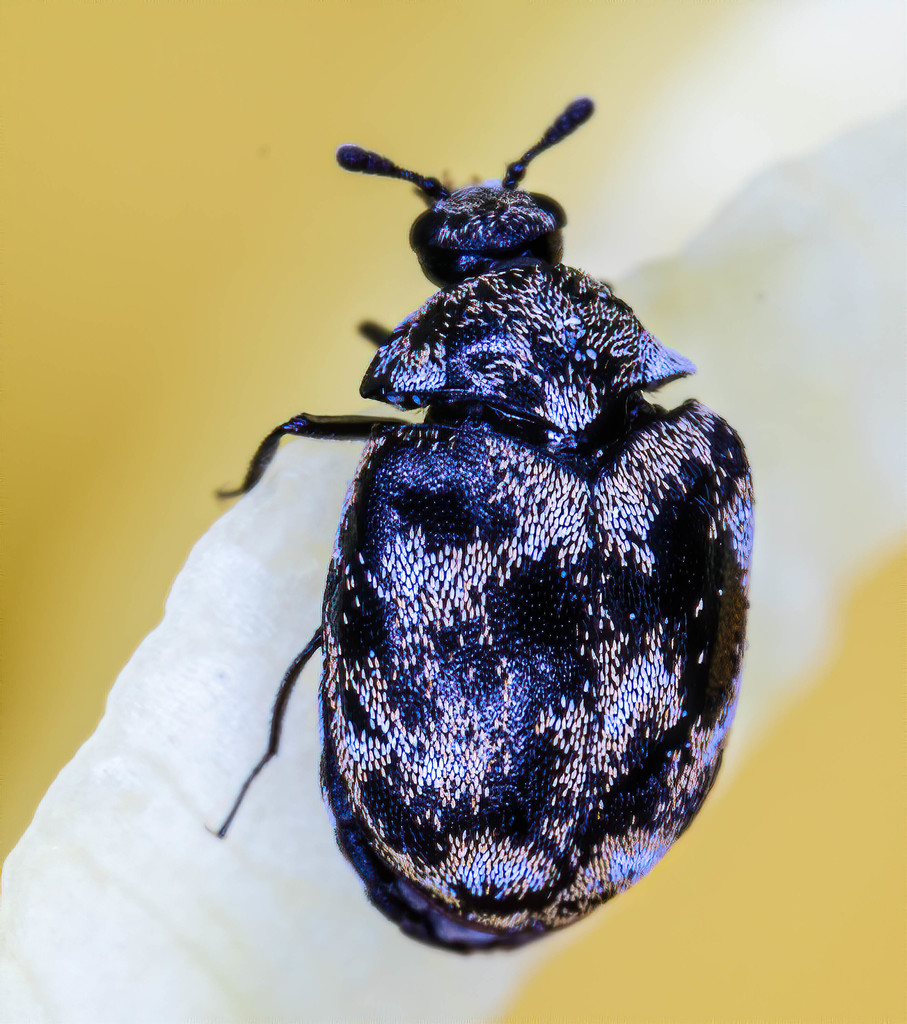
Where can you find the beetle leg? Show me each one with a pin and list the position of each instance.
(277, 712)
(374, 332)
(343, 428)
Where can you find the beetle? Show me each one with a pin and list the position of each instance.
(533, 620)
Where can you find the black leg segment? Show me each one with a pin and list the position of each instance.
(374, 332)
(277, 713)
(334, 428)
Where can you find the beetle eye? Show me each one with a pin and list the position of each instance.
(421, 229)
(550, 206)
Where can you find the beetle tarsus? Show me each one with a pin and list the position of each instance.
(277, 712)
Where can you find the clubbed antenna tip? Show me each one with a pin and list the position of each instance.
(355, 158)
(579, 111)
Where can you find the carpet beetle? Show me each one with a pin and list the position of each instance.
(533, 621)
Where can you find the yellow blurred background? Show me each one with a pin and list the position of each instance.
(182, 268)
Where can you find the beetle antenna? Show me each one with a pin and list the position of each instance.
(579, 111)
(355, 158)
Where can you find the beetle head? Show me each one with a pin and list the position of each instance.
(475, 229)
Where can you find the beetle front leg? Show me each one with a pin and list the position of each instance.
(337, 428)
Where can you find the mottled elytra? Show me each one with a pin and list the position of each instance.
(534, 615)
